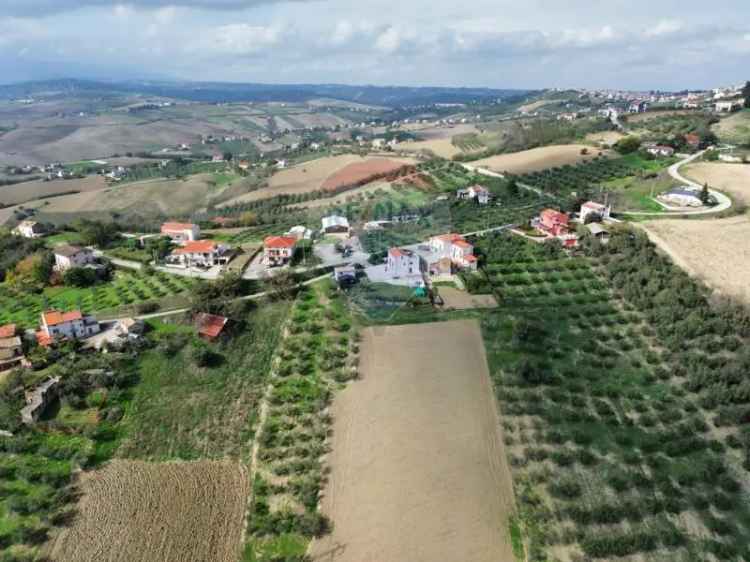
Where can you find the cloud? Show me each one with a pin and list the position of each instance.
(38, 8)
(664, 27)
(238, 39)
(388, 41)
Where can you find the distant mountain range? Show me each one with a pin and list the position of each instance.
(214, 92)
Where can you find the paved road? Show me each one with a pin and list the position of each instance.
(723, 202)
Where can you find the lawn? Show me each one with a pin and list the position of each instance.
(633, 193)
(127, 289)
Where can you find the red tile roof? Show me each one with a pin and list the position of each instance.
(43, 339)
(279, 242)
(209, 325)
(197, 247)
(7, 331)
(54, 317)
(462, 243)
(449, 237)
(176, 226)
(550, 215)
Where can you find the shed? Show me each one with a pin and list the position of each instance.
(209, 326)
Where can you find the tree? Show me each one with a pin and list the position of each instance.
(228, 156)
(705, 195)
(79, 277)
(628, 145)
(746, 93)
(513, 187)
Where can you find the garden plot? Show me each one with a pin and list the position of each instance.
(170, 512)
(461, 300)
(418, 465)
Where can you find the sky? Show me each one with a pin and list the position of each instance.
(624, 44)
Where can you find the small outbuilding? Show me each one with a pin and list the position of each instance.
(210, 326)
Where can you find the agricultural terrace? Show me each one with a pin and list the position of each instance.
(197, 401)
(621, 402)
(197, 507)
(318, 354)
(630, 179)
(418, 469)
(121, 295)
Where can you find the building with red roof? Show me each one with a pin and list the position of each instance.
(70, 325)
(199, 253)
(181, 232)
(278, 250)
(209, 326)
(553, 222)
(455, 248)
(403, 263)
(692, 140)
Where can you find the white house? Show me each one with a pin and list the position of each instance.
(659, 150)
(300, 232)
(72, 325)
(403, 263)
(29, 229)
(638, 106)
(181, 232)
(378, 143)
(590, 208)
(478, 192)
(335, 224)
(67, 257)
(729, 105)
(199, 253)
(685, 196)
(278, 250)
(455, 248)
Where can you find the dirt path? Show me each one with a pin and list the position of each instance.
(419, 471)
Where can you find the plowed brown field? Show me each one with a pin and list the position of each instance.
(419, 471)
(360, 173)
(133, 511)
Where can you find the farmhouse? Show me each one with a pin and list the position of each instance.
(29, 229)
(200, 253)
(300, 233)
(594, 211)
(478, 192)
(403, 263)
(685, 196)
(335, 224)
(639, 106)
(209, 326)
(38, 399)
(692, 140)
(11, 349)
(454, 248)
(727, 106)
(278, 250)
(598, 232)
(67, 257)
(180, 232)
(554, 223)
(660, 150)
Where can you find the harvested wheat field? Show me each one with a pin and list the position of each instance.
(537, 159)
(419, 471)
(715, 251)
(171, 512)
(31, 190)
(604, 137)
(735, 128)
(731, 178)
(461, 300)
(444, 148)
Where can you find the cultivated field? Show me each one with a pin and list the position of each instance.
(145, 198)
(537, 159)
(731, 178)
(359, 173)
(418, 465)
(715, 251)
(170, 512)
(641, 117)
(533, 106)
(31, 190)
(461, 300)
(444, 148)
(317, 174)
